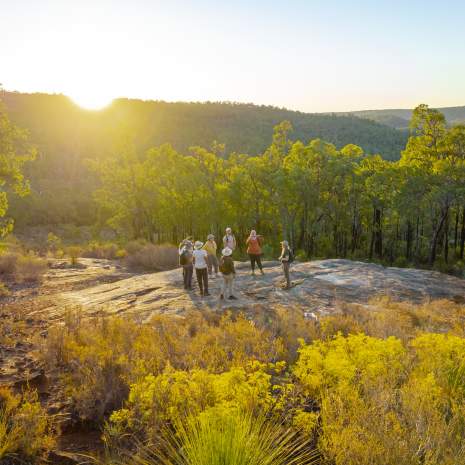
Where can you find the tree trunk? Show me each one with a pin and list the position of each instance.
(409, 237)
(446, 238)
(378, 234)
(462, 235)
(435, 237)
(456, 229)
(372, 239)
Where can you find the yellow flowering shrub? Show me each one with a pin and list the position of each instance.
(357, 359)
(26, 432)
(173, 394)
(380, 401)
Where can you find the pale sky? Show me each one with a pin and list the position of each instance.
(332, 55)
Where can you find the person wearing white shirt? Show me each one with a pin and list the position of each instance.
(229, 240)
(200, 264)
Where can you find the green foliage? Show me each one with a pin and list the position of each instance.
(14, 152)
(236, 438)
(26, 433)
(67, 136)
(328, 199)
(74, 252)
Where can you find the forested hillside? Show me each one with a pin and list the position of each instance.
(246, 128)
(67, 136)
(400, 118)
(111, 168)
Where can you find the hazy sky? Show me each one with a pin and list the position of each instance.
(331, 55)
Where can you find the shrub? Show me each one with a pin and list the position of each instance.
(107, 251)
(234, 438)
(53, 242)
(100, 359)
(26, 432)
(4, 291)
(383, 402)
(153, 257)
(74, 252)
(133, 247)
(30, 268)
(8, 262)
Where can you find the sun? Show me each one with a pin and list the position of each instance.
(91, 100)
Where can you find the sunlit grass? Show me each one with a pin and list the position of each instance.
(228, 438)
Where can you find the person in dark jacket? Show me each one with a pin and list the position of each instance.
(229, 273)
(285, 260)
(186, 261)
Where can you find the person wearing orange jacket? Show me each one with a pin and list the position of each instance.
(254, 250)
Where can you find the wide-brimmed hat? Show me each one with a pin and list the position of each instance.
(285, 243)
(210, 237)
(228, 229)
(226, 252)
(198, 244)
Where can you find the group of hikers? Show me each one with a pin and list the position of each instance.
(203, 258)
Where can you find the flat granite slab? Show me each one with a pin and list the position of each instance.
(317, 286)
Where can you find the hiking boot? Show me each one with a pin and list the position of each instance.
(231, 297)
(262, 272)
(206, 294)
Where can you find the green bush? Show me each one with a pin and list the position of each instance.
(235, 438)
(108, 251)
(26, 433)
(74, 252)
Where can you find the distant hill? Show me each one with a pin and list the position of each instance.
(245, 128)
(400, 118)
(66, 135)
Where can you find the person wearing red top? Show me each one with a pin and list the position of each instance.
(254, 249)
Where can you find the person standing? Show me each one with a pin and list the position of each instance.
(212, 261)
(229, 240)
(185, 260)
(186, 242)
(200, 265)
(254, 249)
(286, 259)
(229, 274)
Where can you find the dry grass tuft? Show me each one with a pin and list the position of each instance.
(151, 257)
(24, 268)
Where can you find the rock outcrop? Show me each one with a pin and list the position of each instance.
(318, 286)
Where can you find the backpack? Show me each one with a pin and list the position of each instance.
(291, 256)
(222, 267)
(183, 258)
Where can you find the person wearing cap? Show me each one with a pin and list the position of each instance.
(212, 262)
(200, 264)
(185, 260)
(285, 260)
(229, 240)
(254, 250)
(187, 242)
(229, 273)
